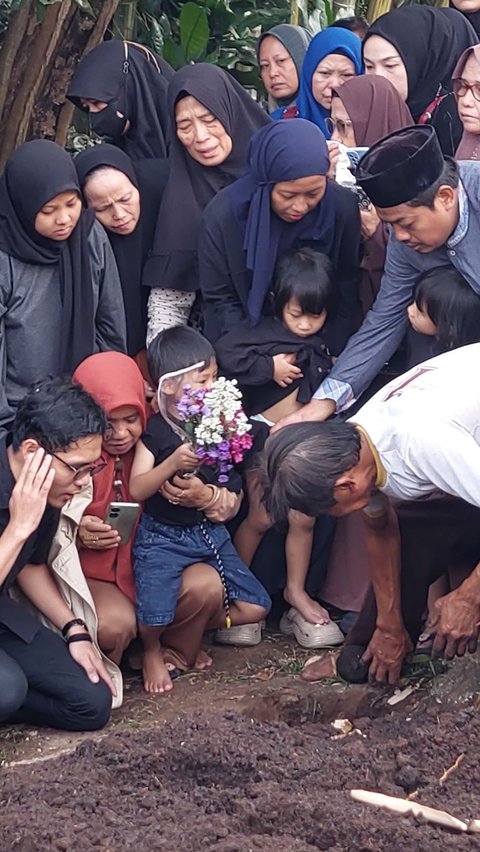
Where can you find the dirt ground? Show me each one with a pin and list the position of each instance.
(246, 758)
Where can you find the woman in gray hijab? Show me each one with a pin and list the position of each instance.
(280, 55)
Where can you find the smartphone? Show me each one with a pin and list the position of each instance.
(122, 517)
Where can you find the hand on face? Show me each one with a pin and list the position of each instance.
(29, 496)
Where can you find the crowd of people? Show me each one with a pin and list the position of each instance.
(321, 250)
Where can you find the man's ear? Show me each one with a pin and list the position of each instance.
(447, 197)
(345, 485)
(30, 445)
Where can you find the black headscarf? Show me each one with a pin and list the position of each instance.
(134, 81)
(190, 185)
(284, 151)
(36, 173)
(430, 42)
(131, 250)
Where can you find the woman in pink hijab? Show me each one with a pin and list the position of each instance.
(466, 86)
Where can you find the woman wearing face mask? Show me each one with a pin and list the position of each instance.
(280, 55)
(213, 120)
(417, 48)
(126, 200)
(123, 87)
(60, 295)
(364, 110)
(334, 56)
(466, 86)
(283, 202)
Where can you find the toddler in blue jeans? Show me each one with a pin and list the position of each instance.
(183, 519)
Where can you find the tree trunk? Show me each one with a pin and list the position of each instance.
(36, 64)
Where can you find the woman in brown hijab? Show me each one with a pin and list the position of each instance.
(364, 110)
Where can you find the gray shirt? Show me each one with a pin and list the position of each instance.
(30, 318)
(385, 324)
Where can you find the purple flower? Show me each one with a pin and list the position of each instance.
(222, 479)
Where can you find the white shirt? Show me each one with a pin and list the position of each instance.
(425, 426)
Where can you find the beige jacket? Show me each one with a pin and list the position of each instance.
(65, 564)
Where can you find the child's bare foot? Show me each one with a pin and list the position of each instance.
(156, 677)
(203, 661)
(309, 609)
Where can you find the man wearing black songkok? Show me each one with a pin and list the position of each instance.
(433, 207)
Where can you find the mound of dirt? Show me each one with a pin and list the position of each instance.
(229, 783)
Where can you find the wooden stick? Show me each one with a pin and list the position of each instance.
(452, 768)
(402, 806)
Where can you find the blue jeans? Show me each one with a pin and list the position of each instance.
(162, 552)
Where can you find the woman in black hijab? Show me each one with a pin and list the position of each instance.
(417, 49)
(60, 296)
(123, 86)
(212, 119)
(126, 199)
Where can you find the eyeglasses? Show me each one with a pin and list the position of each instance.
(80, 472)
(461, 87)
(339, 125)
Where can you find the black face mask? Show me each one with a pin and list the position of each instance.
(107, 123)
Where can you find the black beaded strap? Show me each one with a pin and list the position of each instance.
(79, 637)
(221, 571)
(73, 623)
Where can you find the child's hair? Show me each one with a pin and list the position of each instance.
(177, 348)
(305, 275)
(451, 304)
(357, 24)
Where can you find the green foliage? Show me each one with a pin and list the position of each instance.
(220, 31)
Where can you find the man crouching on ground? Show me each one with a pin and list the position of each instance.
(417, 439)
(47, 678)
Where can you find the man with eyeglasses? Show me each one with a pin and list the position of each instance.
(432, 205)
(46, 678)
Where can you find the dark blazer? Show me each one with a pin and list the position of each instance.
(225, 280)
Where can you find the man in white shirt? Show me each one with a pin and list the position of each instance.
(417, 438)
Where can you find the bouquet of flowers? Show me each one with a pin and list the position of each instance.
(216, 425)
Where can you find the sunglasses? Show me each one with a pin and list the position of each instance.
(339, 125)
(461, 87)
(82, 471)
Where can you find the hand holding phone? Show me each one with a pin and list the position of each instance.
(94, 534)
(122, 518)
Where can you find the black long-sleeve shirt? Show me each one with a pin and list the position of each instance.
(225, 281)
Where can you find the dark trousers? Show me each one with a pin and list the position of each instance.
(41, 684)
(436, 535)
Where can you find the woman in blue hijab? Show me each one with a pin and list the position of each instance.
(283, 202)
(334, 56)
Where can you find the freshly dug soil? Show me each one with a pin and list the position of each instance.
(229, 783)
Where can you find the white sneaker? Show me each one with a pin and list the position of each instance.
(244, 635)
(310, 635)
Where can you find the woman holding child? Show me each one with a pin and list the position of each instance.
(116, 382)
(283, 202)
